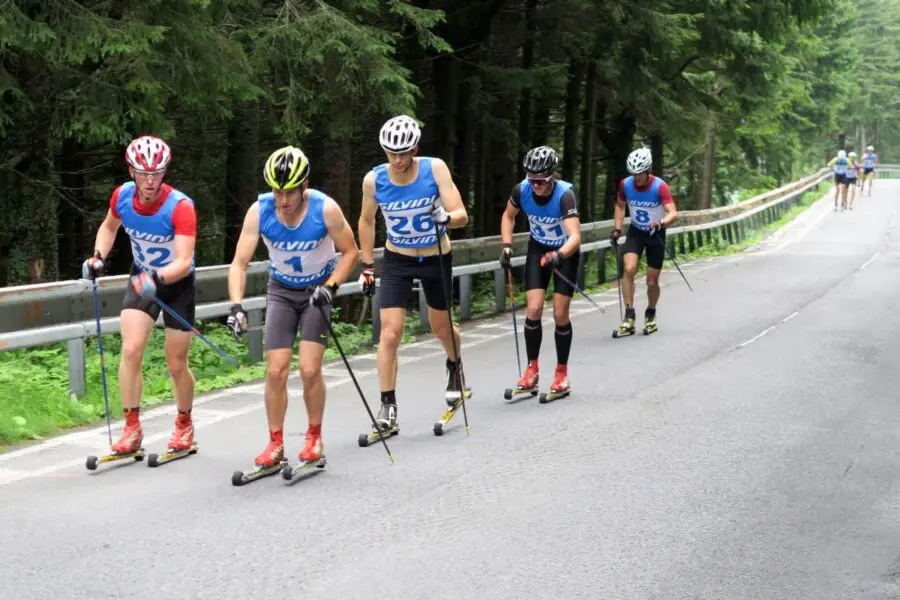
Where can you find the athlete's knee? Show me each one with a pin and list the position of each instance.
(561, 314)
(310, 372)
(630, 269)
(441, 328)
(177, 365)
(534, 311)
(653, 280)
(132, 351)
(277, 372)
(390, 337)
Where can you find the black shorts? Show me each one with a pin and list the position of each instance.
(636, 240)
(840, 179)
(851, 181)
(180, 296)
(398, 272)
(286, 310)
(867, 170)
(538, 277)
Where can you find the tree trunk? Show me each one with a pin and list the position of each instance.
(242, 173)
(619, 145)
(709, 164)
(570, 135)
(525, 102)
(656, 150)
(71, 210)
(587, 174)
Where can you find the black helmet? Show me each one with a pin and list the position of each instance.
(540, 160)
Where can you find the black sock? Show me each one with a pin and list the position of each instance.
(388, 397)
(533, 334)
(650, 313)
(563, 337)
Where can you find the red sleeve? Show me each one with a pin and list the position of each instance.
(665, 194)
(113, 201)
(184, 219)
(620, 196)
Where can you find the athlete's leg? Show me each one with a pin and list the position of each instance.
(312, 349)
(136, 326)
(431, 272)
(181, 297)
(537, 279)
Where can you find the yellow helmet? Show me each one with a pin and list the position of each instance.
(287, 168)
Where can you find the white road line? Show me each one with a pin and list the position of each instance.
(755, 337)
(870, 261)
(789, 317)
(797, 237)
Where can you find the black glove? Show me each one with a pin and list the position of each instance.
(614, 236)
(367, 280)
(506, 257)
(551, 259)
(323, 294)
(237, 321)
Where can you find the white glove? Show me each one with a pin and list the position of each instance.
(439, 215)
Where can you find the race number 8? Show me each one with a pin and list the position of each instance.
(641, 216)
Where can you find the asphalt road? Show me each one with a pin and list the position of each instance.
(746, 450)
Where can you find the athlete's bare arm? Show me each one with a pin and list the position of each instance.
(243, 254)
(508, 222)
(573, 230)
(619, 212)
(366, 224)
(671, 214)
(339, 231)
(106, 234)
(450, 197)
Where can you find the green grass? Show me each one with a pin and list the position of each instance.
(36, 402)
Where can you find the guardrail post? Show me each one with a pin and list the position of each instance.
(582, 263)
(75, 351)
(255, 338)
(376, 316)
(699, 235)
(465, 297)
(499, 292)
(423, 307)
(729, 234)
(670, 242)
(690, 237)
(681, 243)
(601, 265)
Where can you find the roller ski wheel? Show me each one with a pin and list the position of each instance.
(518, 393)
(93, 462)
(155, 460)
(290, 472)
(239, 478)
(547, 397)
(367, 439)
(450, 413)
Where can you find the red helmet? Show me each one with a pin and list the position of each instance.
(148, 153)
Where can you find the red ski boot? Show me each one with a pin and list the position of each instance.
(529, 379)
(274, 452)
(314, 448)
(183, 435)
(560, 386)
(132, 435)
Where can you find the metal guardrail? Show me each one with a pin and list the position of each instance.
(36, 315)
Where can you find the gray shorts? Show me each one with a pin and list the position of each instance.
(286, 310)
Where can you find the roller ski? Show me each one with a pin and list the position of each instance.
(310, 460)
(269, 462)
(649, 321)
(387, 426)
(456, 395)
(181, 445)
(627, 326)
(559, 388)
(128, 446)
(527, 384)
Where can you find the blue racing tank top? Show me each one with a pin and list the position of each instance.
(645, 206)
(152, 236)
(545, 220)
(407, 208)
(300, 256)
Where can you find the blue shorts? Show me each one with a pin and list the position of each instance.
(867, 170)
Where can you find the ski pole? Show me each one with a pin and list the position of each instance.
(181, 320)
(512, 301)
(102, 361)
(356, 383)
(672, 258)
(576, 288)
(619, 269)
(447, 299)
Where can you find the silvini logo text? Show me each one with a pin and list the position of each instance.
(148, 237)
(422, 240)
(408, 204)
(297, 246)
(540, 219)
(644, 203)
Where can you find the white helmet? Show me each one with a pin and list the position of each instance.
(870, 148)
(148, 153)
(400, 134)
(852, 154)
(842, 154)
(639, 161)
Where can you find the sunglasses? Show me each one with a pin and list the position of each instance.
(539, 180)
